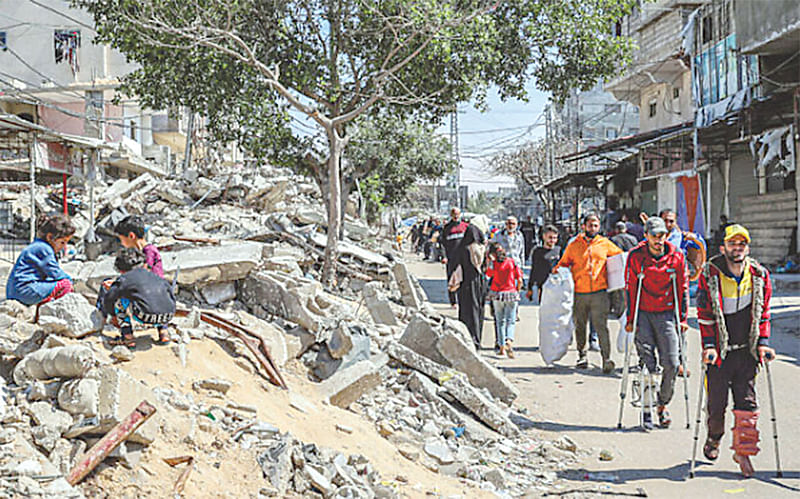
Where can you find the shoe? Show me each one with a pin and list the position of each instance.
(681, 372)
(454, 306)
(647, 421)
(594, 346)
(583, 362)
(608, 366)
(711, 449)
(502, 351)
(664, 420)
(509, 350)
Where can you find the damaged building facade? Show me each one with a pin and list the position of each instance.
(716, 87)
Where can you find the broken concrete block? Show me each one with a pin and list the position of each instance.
(378, 305)
(264, 291)
(18, 337)
(79, 396)
(347, 385)
(414, 360)
(218, 292)
(276, 463)
(65, 454)
(480, 373)
(421, 336)
(44, 414)
(205, 187)
(483, 408)
(407, 289)
(119, 394)
(325, 364)
(70, 315)
(459, 329)
(62, 362)
(121, 353)
(215, 384)
(210, 264)
(340, 341)
(287, 264)
(15, 309)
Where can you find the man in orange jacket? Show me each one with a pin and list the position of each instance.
(586, 257)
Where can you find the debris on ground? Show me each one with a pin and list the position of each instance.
(263, 353)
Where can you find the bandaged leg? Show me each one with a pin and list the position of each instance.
(745, 439)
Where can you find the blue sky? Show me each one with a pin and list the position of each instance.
(503, 127)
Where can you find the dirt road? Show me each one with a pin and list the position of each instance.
(584, 405)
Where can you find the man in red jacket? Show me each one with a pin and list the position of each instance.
(660, 262)
(733, 311)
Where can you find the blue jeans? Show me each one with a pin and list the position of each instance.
(505, 317)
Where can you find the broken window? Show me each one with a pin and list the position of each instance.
(708, 26)
(66, 43)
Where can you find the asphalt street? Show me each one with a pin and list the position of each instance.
(584, 405)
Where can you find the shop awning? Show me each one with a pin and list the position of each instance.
(630, 141)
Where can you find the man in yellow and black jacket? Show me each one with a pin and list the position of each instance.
(733, 311)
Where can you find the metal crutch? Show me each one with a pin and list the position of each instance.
(697, 421)
(681, 348)
(625, 370)
(779, 473)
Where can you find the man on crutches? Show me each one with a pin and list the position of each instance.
(660, 264)
(733, 311)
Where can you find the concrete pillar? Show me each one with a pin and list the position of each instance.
(726, 185)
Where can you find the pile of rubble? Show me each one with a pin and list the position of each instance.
(244, 250)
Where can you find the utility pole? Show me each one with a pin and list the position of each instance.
(455, 155)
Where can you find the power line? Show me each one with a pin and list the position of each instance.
(65, 16)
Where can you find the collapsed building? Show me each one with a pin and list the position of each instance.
(244, 249)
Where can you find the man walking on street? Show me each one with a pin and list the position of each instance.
(543, 259)
(586, 257)
(659, 262)
(512, 242)
(452, 234)
(625, 241)
(733, 311)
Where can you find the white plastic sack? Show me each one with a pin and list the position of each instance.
(615, 271)
(555, 316)
(624, 336)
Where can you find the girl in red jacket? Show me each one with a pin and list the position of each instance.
(504, 293)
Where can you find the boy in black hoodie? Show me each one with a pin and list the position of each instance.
(136, 295)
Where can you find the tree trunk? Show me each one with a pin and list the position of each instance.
(347, 188)
(336, 145)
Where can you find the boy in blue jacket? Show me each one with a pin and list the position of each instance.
(36, 277)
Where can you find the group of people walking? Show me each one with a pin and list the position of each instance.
(733, 297)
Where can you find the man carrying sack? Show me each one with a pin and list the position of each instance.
(586, 257)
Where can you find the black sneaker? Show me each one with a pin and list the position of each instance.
(583, 362)
(647, 421)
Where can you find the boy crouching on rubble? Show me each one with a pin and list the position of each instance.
(136, 295)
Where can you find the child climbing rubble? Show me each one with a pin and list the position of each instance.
(137, 295)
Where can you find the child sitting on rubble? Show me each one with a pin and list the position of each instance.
(36, 277)
(136, 295)
(131, 233)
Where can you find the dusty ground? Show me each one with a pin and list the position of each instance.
(221, 468)
(584, 405)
